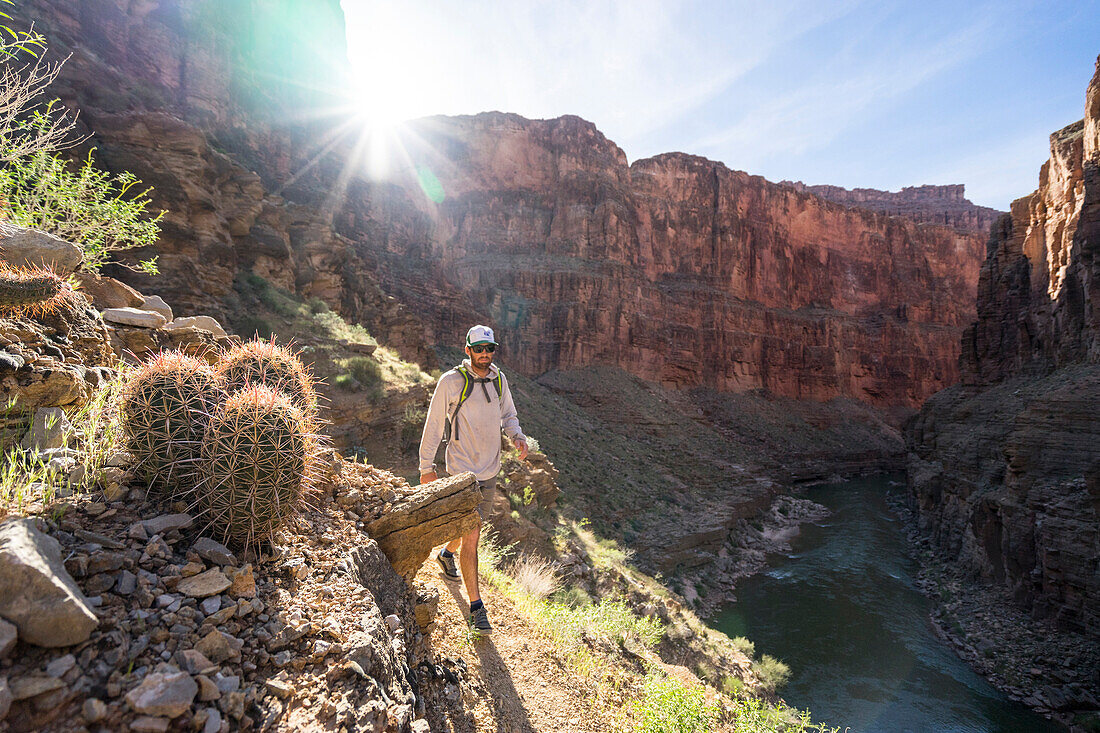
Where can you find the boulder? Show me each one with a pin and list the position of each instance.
(156, 303)
(5, 698)
(203, 323)
(106, 292)
(37, 594)
(435, 513)
(135, 317)
(30, 247)
(8, 636)
(165, 694)
(48, 429)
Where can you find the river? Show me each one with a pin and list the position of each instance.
(843, 610)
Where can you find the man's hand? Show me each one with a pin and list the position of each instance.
(426, 477)
(521, 446)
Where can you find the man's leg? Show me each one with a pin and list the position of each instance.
(467, 560)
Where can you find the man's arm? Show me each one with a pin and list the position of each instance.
(510, 421)
(433, 430)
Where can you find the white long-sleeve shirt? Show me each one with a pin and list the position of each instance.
(477, 445)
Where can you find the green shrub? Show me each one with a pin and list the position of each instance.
(572, 597)
(346, 382)
(412, 425)
(668, 706)
(317, 306)
(744, 646)
(248, 326)
(731, 686)
(365, 369)
(773, 673)
(100, 212)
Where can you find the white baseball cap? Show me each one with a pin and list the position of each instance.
(480, 335)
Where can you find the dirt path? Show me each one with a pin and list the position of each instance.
(518, 682)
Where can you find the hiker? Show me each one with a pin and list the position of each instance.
(471, 404)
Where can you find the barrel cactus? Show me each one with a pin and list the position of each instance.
(30, 291)
(263, 362)
(259, 459)
(165, 406)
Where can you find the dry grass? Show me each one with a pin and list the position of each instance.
(538, 577)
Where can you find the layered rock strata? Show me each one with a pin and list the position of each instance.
(943, 205)
(675, 268)
(1005, 468)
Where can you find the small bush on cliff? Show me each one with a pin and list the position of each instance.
(669, 706)
(98, 211)
(101, 212)
(773, 673)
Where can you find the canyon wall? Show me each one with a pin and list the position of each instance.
(675, 268)
(225, 109)
(1005, 467)
(944, 205)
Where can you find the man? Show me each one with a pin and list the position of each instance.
(475, 401)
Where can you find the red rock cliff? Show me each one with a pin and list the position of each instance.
(676, 268)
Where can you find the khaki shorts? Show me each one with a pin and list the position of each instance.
(491, 499)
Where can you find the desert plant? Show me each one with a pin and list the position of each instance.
(99, 211)
(412, 424)
(264, 362)
(743, 645)
(771, 672)
(537, 576)
(165, 406)
(30, 291)
(259, 463)
(572, 596)
(669, 706)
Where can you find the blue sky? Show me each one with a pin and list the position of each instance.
(873, 94)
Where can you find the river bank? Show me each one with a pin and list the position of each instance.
(1055, 672)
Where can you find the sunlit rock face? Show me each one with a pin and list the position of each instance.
(945, 205)
(1004, 469)
(220, 107)
(675, 268)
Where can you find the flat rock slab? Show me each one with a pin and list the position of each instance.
(106, 292)
(24, 688)
(166, 523)
(165, 694)
(156, 303)
(210, 583)
(204, 323)
(436, 513)
(32, 248)
(37, 594)
(134, 317)
(8, 637)
(213, 551)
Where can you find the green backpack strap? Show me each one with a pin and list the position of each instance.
(451, 423)
(452, 419)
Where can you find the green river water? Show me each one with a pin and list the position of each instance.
(843, 610)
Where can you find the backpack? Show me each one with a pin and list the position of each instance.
(467, 389)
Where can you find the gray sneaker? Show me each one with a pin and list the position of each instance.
(448, 565)
(479, 619)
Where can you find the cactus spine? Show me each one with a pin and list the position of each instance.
(259, 458)
(263, 362)
(166, 404)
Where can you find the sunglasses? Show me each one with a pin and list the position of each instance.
(483, 348)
